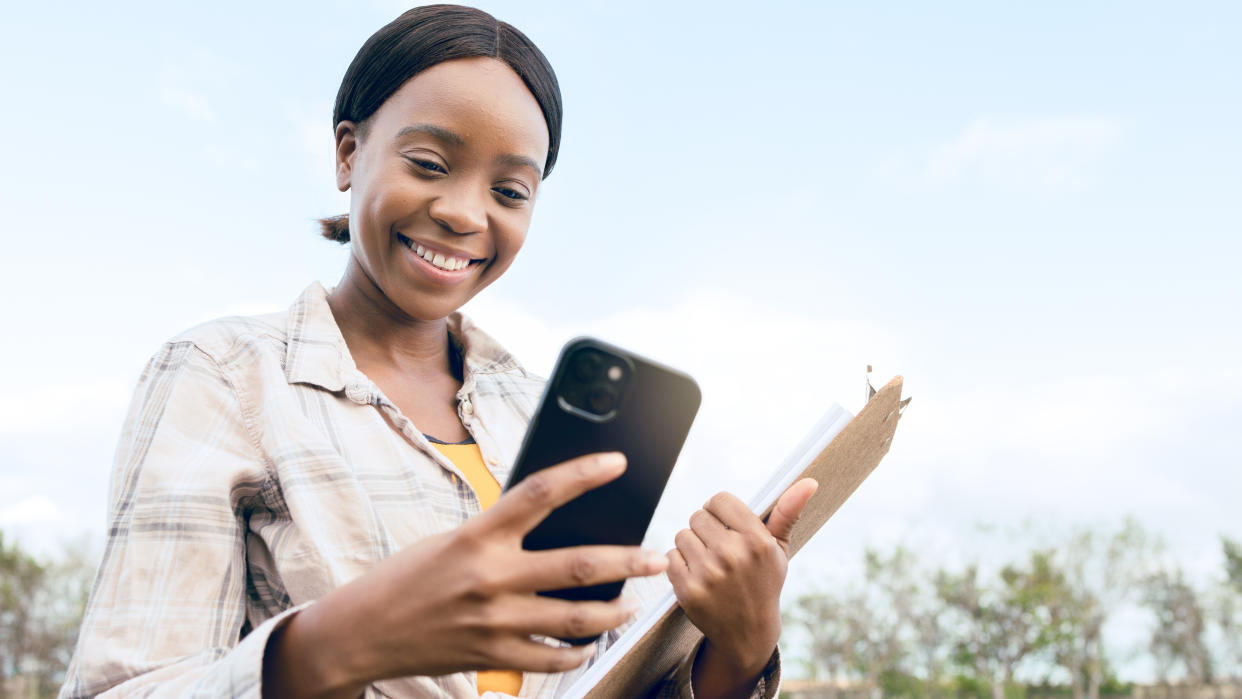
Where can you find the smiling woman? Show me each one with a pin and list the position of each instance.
(459, 182)
(307, 503)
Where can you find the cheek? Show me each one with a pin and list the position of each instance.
(379, 190)
(508, 237)
(515, 238)
(511, 235)
(390, 199)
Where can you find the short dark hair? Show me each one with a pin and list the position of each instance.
(419, 39)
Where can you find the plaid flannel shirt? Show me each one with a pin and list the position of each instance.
(258, 469)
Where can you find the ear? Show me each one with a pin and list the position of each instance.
(346, 151)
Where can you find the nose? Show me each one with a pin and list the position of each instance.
(460, 208)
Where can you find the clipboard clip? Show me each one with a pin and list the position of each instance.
(901, 406)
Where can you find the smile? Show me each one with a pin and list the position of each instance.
(448, 263)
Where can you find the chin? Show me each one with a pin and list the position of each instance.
(420, 307)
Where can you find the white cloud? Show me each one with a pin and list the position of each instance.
(42, 526)
(231, 157)
(1083, 449)
(187, 82)
(252, 307)
(312, 127)
(34, 510)
(766, 377)
(36, 407)
(1069, 419)
(189, 102)
(1047, 154)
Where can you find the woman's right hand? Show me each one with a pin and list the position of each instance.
(463, 600)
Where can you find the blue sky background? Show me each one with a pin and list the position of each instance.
(1030, 211)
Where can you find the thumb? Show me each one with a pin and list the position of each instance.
(788, 508)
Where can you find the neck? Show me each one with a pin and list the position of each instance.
(381, 337)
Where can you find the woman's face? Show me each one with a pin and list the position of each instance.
(443, 182)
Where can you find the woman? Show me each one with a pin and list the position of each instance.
(298, 502)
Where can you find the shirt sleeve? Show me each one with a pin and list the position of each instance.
(678, 685)
(167, 612)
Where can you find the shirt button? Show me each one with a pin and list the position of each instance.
(467, 408)
(493, 460)
(358, 392)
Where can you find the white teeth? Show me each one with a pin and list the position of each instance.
(446, 263)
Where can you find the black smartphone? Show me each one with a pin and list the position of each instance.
(603, 398)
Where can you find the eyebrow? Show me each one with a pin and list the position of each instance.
(455, 139)
(439, 132)
(521, 161)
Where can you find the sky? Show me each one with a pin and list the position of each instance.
(1031, 212)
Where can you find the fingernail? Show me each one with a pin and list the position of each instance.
(655, 561)
(611, 461)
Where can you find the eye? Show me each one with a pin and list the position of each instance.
(428, 166)
(510, 194)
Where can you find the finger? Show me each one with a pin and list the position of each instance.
(693, 550)
(789, 508)
(677, 567)
(734, 513)
(529, 502)
(577, 566)
(678, 571)
(710, 530)
(514, 652)
(565, 619)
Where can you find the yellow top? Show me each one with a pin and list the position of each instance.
(468, 460)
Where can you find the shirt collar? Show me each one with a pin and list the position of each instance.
(316, 352)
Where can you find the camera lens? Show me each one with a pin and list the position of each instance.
(587, 365)
(601, 399)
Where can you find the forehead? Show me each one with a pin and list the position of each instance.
(480, 99)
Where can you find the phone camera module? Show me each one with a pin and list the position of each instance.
(601, 399)
(593, 384)
(587, 365)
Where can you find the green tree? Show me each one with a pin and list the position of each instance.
(41, 606)
(1228, 610)
(866, 633)
(1101, 573)
(1000, 625)
(1233, 563)
(850, 637)
(1178, 634)
(930, 649)
(882, 614)
(60, 604)
(821, 617)
(21, 577)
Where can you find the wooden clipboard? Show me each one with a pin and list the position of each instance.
(840, 468)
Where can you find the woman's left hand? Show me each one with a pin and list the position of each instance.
(727, 572)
